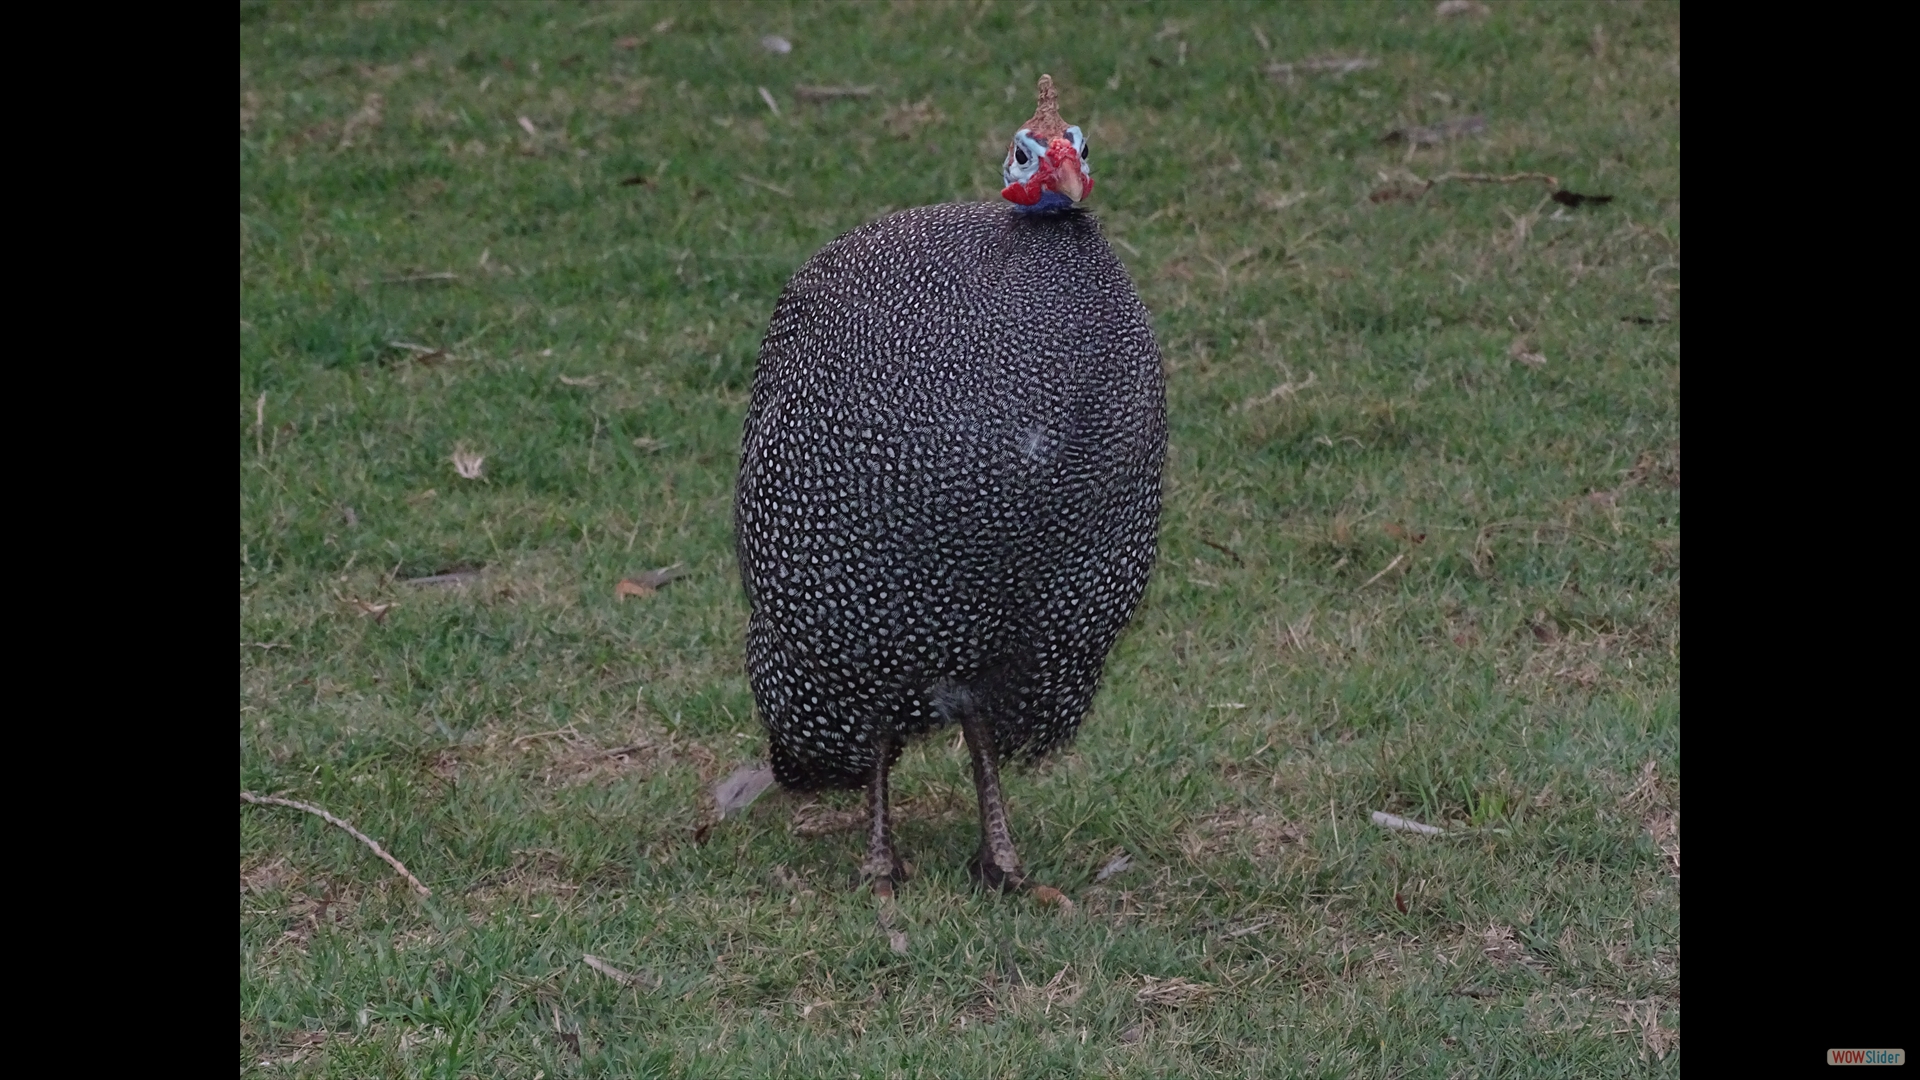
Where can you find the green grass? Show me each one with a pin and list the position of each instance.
(1432, 580)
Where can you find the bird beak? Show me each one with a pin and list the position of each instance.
(1066, 178)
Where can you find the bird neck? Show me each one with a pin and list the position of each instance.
(1049, 202)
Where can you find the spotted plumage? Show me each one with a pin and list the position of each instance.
(949, 492)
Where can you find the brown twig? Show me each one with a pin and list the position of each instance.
(1237, 560)
(275, 800)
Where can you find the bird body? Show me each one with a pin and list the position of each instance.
(949, 490)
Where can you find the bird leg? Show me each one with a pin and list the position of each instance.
(995, 865)
(882, 867)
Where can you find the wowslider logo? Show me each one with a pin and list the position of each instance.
(1866, 1057)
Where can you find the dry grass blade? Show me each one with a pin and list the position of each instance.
(764, 185)
(469, 465)
(624, 978)
(833, 93)
(1435, 134)
(1417, 187)
(1117, 863)
(813, 820)
(437, 275)
(766, 95)
(1170, 993)
(1279, 393)
(275, 800)
(376, 612)
(424, 354)
(1332, 65)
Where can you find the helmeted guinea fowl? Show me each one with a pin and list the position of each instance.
(949, 487)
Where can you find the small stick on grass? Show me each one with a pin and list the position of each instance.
(275, 800)
(624, 978)
(1384, 571)
(1490, 178)
(1400, 824)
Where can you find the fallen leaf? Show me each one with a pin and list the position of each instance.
(1500, 946)
(469, 465)
(776, 44)
(1522, 351)
(1447, 9)
(583, 380)
(1132, 1034)
(1400, 902)
(648, 583)
(1048, 896)
(663, 26)
(1119, 862)
(527, 126)
(741, 787)
(897, 941)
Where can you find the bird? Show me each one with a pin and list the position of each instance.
(949, 493)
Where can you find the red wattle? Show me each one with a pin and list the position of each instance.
(1025, 194)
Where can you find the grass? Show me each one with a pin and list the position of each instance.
(1404, 567)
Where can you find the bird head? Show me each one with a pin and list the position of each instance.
(1046, 166)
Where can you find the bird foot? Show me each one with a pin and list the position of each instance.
(991, 874)
(885, 877)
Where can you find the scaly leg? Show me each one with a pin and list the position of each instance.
(996, 865)
(882, 867)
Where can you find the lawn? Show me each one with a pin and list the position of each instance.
(503, 275)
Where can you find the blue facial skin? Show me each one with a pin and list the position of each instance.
(1049, 201)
